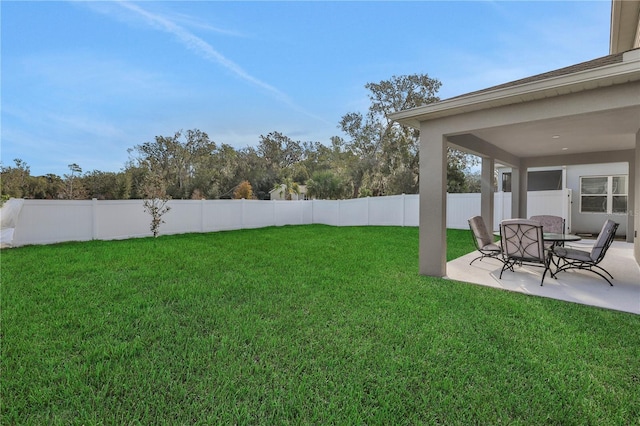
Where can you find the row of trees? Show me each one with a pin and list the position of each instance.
(378, 157)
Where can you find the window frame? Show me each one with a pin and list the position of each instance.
(608, 195)
(536, 180)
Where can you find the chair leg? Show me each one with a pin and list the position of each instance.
(503, 268)
(585, 267)
(483, 255)
(547, 267)
(543, 275)
(603, 270)
(598, 273)
(506, 264)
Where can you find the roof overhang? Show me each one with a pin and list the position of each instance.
(628, 70)
(625, 25)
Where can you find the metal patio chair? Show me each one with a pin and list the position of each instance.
(522, 244)
(550, 223)
(570, 258)
(483, 240)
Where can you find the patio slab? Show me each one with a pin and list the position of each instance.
(574, 286)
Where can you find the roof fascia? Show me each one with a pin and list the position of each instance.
(614, 36)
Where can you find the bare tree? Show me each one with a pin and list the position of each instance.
(155, 201)
(73, 187)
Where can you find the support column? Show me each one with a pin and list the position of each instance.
(486, 192)
(636, 205)
(519, 192)
(631, 200)
(433, 202)
(515, 192)
(524, 185)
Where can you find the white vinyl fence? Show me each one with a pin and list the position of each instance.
(52, 221)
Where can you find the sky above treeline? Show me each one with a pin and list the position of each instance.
(84, 81)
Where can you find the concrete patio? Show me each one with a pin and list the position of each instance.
(574, 286)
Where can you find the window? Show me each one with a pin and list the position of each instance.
(603, 194)
(546, 180)
(506, 182)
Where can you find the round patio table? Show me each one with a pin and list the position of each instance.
(554, 239)
(559, 239)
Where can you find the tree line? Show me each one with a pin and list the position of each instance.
(377, 157)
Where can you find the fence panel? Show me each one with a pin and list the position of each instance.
(325, 212)
(307, 212)
(258, 214)
(460, 207)
(353, 212)
(121, 219)
(51, 221)
(545, 202)
(184, 216)
(288, 212)
(411, 210)
(221, 215)
(54, 221)
(501, 208)
(386, 211)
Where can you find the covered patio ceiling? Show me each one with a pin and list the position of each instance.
(610, 130)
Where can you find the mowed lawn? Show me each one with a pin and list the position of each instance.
(297, 325)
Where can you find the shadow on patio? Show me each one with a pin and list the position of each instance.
(574, 286)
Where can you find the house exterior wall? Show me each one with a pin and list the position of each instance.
(279, 194)
(592, 222)
(587, 223)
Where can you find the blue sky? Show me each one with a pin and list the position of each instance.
(84, 81)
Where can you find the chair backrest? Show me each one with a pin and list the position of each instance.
(522, 239)
(551, 224)
(481, 235)
(604, 240)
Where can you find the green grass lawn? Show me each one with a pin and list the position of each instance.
(297, 325)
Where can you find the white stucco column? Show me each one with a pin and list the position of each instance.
(523, 184)
(518, 192)
(636, 205)
(433, 201)
(632, 210)
(486, 189)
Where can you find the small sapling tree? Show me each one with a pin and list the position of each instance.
(155, 201)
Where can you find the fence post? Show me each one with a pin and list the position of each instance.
(242, 214)
(403, 208)
(94, 218)
(301, 208)
(202, 215)
(368, 213)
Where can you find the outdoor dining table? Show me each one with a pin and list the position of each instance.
(559, 239)
(554, 239)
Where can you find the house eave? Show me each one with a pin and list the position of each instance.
(625, 25)
(626, 71)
